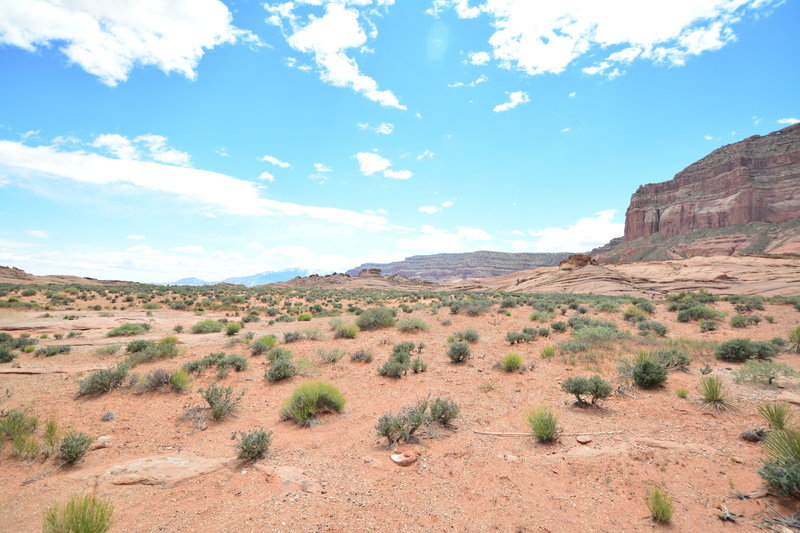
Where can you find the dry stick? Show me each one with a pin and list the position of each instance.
(530, 434)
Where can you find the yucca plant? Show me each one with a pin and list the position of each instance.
(794, 339)
(712, 392)
(782, 470)
(776, 414)
(660, 505)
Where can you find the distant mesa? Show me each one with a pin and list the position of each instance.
(743, 198)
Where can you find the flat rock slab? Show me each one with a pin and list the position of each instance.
(52, 370)
(789, 397)
(166, 471)
(671, 445)
(292, 478)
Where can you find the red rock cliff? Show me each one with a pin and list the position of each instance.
(754, 180)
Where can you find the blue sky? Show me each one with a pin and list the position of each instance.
(156, 140)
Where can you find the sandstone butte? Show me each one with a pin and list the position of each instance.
(754, 180)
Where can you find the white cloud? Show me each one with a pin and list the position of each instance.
(152, 147)
(328, 37)
(788, 121)
(136, 237)
(212, 189)
(585, 234)
(448, 204)
(39, 234)
(30, 133)
(477, 81)
(397, 174)
(756, 120)
(708, 137)
(383, 212)
(564, 130)
(479, 58)
(275, 161)
(385, 128)
(109, 38)
(369, 163)
(319, 167)
(514, 99)
(547, 37)
(432, 239)
(266, 176)
(221, 151)
(424, 154)
(190, 249)
(429, 209)
(572, 94)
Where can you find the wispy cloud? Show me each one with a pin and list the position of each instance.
(585, 234)
(514, 99)
(788, 121)
(370, 163)
(274, 161)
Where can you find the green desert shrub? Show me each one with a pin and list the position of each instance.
(708, 325)
(282, 368)
(660, 505)
(207, 326)
(102, 381)
(221, 400)
(6, 355)
(232, 328)
(647, 373)
(739, 321)
(50, 351)
(517, 337)
(345, 331)
(672, 359)
(304, 317)
(361, 356)
(179, 380)
(469, 335)
(682, 392)
(17, 426)
(254, 445)
(139, 345)
(511, 362)
(330, 356)
(278, 353)
(418, 365)
(762, 371)
(412, 325)
(548, 351)
(126, 330)
(263, 344)
(781, 470)
(740, 350)
(458, 351)
(74, 446)
(108, 349)
(634, 313)
(698, 312)
(543, 423)
(402, 426)
(651, 326)
(394, 367)
(376, 318)
(794, 337)
(712, 393)
(443, 411)
(311, 399)
(559, 327)
(595, 388)
(81, 514)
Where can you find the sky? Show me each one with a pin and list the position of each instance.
(160, 139)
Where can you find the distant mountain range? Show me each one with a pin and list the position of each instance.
(249, 281)
(443, 268)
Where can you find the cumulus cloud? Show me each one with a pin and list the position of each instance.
(212, 189)
(585, 234)
(547, 37)
(274, 161)
(479, 58)
(329, 37)
(431, 239)
(266, 176)
(150, 147)
(39, 234)
(370, 163)
(514, 99)
(788, 121)
(319, 167)
(108, 38)
(429, 209)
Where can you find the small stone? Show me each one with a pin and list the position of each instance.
(101, 442)
(404, 458)
(737, 460)
(583, 439)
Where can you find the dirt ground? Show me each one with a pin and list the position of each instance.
(337, 476)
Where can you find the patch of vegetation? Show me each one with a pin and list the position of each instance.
(712, 393)
(219, 360)
(81, 514)
(469, 335)
(102, 381)
(254, 445)
(221, 400)
(698, 312)
(595, 388)
(782, 470)
(330, 356)
(402, 426)
(412, 325)
(232, 328)
(108, 349)
(543, 423)
(776, 414)
(511, 362)
(458, 351)
(682, 392)
(281, 368)
(647, 373)
(310, 400)
(74, 446)
(361, 356)
(346, 331)
(207, 326)
(49, 351)
(660, 505)
(131, 328)
(740, 350)
(263, 344)
(649, 326)
(762, 371)
(376, 318)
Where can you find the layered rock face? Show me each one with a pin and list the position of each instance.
(755, 180)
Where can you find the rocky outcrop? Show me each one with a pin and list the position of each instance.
(452, 267)
(755, 180)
